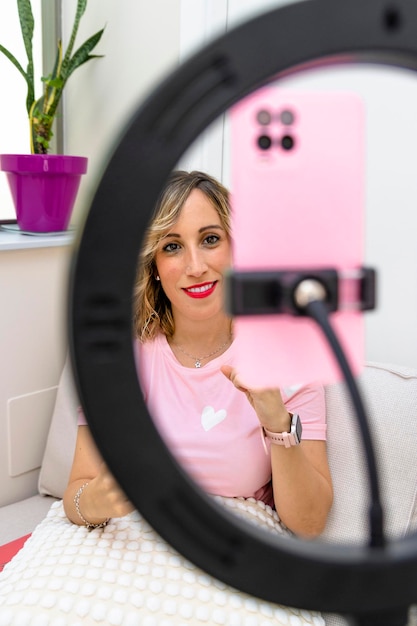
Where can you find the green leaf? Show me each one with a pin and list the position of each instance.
(82, 55)
(37, 108)
(27, 25)
(58, 62)
(54, 83)
(13, 59)
(28, 76)
(81, 7)
(30, 96)
(40, 127)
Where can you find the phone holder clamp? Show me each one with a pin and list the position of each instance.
(285, 292)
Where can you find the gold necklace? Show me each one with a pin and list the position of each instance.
(197, 360)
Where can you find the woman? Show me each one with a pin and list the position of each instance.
(224, 433)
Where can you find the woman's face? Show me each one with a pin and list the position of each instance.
(191, 259)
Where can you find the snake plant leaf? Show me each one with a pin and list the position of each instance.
(27, 25)
(82, 55)
(13, 59)
(27, 76)
(56, 71)
(81, 7)
(41, 122)
(33, 118)
(54, 83)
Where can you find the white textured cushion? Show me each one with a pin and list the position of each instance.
(126, 575)
(60, 445)
(390, 396)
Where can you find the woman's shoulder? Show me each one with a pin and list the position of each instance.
(145, 349)
(151, 349)
(148, 355)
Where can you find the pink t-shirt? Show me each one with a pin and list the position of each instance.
(210, 426)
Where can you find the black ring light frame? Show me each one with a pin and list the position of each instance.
(371, 584)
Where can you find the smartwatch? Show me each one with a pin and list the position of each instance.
(293, 438)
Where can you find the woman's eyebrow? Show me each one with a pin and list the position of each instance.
(171, 235)
(200, 230)
(210, 227)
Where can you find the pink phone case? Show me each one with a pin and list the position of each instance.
(297, 204)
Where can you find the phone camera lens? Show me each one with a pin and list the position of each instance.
(287, 117)
(263, 117)
(264, 142)
(287, 142)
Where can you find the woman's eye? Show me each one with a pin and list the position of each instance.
(211, 239)
(171, 247)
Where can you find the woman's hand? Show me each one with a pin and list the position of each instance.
(103, 497)
(267, 403)
(301, 480)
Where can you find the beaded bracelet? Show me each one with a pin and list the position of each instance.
(89, 525)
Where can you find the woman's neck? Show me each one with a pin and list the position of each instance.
(202, 333)
(194, 341)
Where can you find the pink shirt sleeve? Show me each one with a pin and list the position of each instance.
(309, 402)
(81, 418)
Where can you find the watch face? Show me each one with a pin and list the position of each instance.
(296, 426)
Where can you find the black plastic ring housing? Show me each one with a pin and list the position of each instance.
(356, 580)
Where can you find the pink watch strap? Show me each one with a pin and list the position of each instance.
(281, 439)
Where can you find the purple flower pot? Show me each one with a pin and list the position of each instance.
(44, 188)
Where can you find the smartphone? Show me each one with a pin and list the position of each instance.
(297, 189)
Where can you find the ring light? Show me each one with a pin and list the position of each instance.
(360, 581)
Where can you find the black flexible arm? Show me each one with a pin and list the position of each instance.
(316, 309)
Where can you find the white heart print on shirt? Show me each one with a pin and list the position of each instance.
(210, 418)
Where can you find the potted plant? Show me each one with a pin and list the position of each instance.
(44, 186)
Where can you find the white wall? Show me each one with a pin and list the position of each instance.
(32, 338)
(201, 21)
(141, 45)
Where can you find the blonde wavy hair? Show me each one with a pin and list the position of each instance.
(152, 309)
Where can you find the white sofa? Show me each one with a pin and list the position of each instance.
(390, 394)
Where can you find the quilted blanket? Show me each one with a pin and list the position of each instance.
(126, 575)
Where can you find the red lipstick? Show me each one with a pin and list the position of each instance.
(202, 290)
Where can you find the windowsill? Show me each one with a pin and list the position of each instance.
(18, 241)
